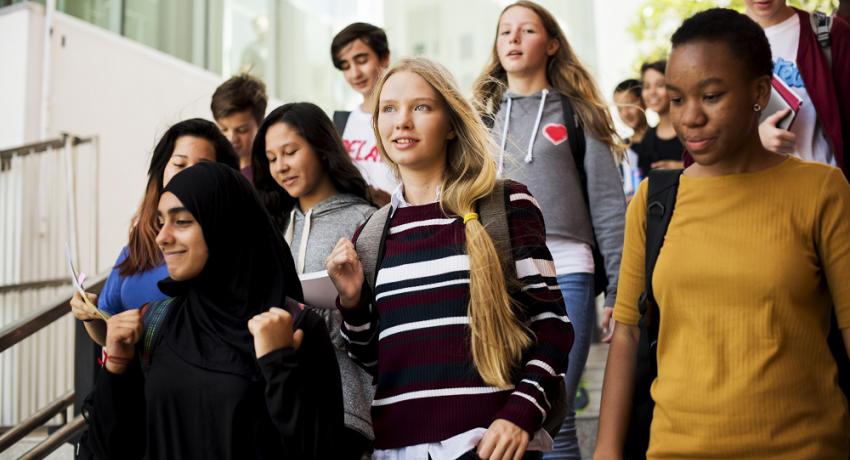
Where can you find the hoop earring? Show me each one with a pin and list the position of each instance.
(756, 108)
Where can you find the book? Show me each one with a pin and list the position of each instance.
(319, 290)
(782, 97)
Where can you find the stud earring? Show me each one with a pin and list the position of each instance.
(756, 108)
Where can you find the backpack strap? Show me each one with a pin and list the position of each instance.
(578, 147)
(153, 314)
(370, 244)
(494, 217)
(822, 26)
(661, 199)
(575, 136)
(340, 120)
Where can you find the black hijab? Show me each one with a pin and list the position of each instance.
(249, 270)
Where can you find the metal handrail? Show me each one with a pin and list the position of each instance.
(58, 282)
(13, 333)
(55, 440)
(41, 417)
(41, 146)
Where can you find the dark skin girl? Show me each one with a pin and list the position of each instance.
(712, 110)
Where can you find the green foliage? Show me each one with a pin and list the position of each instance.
(658, 19)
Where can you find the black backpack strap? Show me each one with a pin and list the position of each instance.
(575, 136)
(370, 244)
(578, 147)
(340, 120)
(153, 314)
(661, 199)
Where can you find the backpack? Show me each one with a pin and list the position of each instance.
(493, 214)
(661, 201)
(575, 137)
(340, 120)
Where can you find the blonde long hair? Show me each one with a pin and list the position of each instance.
(498, 337)
(565, 72)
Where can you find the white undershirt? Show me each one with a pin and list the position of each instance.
(811, 142)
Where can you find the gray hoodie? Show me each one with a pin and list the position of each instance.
(314, 235)
(534, 150)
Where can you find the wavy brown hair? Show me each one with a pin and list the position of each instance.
(564, 71)
(498, 336)
(142, 251)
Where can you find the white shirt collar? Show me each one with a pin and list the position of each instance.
(397, 200)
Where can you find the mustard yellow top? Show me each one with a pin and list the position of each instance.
(744, 370)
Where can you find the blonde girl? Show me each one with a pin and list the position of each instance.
(466, 361)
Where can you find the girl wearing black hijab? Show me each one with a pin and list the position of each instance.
(211, 390)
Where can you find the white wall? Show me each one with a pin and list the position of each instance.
(100, 84)
(20, 84)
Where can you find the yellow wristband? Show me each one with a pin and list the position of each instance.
(470, 216)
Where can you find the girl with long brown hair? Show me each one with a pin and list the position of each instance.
(554, 132)
(465, 359)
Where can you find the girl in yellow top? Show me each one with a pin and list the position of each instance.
(756, 256)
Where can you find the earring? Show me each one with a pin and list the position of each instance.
(756, 108)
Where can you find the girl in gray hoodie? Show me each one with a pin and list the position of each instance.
(541, 95)
(317, 196)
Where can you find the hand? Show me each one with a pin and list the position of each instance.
(272, 330)
(80, 309)
(776, 139)
(608, 324)
(346, 272)
(123, 331)
(503, 441)
(668, 164)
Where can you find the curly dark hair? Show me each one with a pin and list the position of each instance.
(744, 38)
(318, 130)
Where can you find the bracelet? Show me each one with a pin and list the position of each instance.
(115, 359)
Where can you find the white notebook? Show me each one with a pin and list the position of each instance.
(319, 290)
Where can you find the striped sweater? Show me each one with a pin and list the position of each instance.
(416, 337)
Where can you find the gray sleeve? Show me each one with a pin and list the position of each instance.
(607, 208)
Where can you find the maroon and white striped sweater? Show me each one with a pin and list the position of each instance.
(416, 338)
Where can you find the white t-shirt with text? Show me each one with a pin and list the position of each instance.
(359, 141)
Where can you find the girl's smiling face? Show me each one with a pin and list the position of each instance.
(654, 92)
(413, 122)
(292, 162)
(181, 239)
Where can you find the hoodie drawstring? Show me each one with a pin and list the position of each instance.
(289, 235)
(529, 157)
(504, 138)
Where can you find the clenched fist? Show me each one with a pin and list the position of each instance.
(346, 272)
(272, 330)
(123, 331)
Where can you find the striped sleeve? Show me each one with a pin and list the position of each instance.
(359, 329)
(539, 295)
